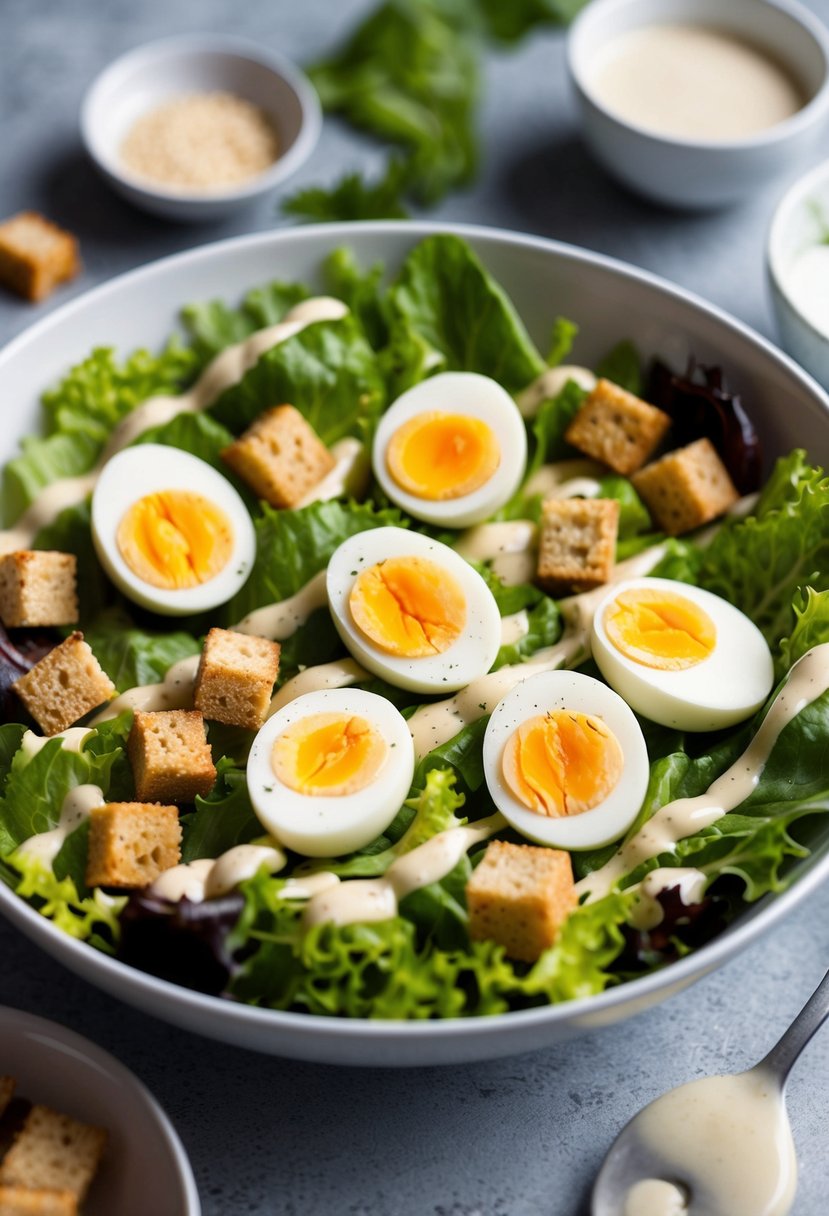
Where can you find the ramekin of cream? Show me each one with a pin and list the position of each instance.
(797, 261)
(698, 103)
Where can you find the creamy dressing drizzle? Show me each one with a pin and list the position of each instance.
(174, 692)
(71, 740)
(566, 479)
(648, 912)
(279, 621)
(807, 680)
(349, 476)
(339, 674)
(729, 1139)
(367, 899)
(76, 807)
(510, 547)
(653, 1197)
(549, 384)
(225, 370)
(209, 878)
(514, 628)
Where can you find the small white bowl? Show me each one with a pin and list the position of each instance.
(144, 1168)
(797, 225)
(697, 173)
(150, 75)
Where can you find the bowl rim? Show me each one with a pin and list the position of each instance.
(196, 45)
(815, 108)
(149, 991)
(778, 226)
(23, 1023)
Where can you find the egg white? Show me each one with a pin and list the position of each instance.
(147, 469)
(472, 395)
(725, 688)
(557, 690)
(329, 825)
(470, 655)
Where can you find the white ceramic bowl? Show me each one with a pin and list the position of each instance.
(696, 173)
(150, 75)
(544, 278)
(144, 1168)
(799, 222)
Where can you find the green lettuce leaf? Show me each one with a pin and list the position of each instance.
(222, 820)
(352, 198)
(132, 656)
(361, 291)
(444, 294)
(544, 630)
(213, 325)
(513, 21)
(327, 370)
(71, 533)
(81, 412)
(92, 918)
(623, 366)
(811, 627)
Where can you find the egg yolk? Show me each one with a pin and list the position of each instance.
(562, 763)
(440, 456)
(408, 606)
(175, 539)
(329, 755)
(660, 629)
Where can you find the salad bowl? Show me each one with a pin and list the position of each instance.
(610, 301)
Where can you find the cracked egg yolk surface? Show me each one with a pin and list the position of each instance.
(562, 763)
(329, 754)
(175, 539)
(660, 629)
(408, 606)
(439, 456)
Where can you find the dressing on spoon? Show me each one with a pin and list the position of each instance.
(719, 1146)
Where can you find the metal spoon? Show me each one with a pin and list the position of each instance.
(635, 1156)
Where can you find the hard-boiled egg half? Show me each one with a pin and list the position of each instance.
(681, 656)
(170, 531)
(451, 450)
(412, 610)
(565, 761)
(330, 770)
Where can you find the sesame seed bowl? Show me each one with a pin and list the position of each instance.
(197, 127)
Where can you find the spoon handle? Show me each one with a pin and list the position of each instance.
(810, 1019)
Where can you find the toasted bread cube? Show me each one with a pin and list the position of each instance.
(36, 255)
(38, 587)
(53, 1152)
(617, 428)
(23, 1201)
(7, 1088)
(577, 543)
(280, 456)
(686, 488)
(170, 756)
(131, 843)
(67, 683)
(520, 896)
(236, 677)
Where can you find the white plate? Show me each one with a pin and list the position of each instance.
(144, 1168)
(610, 301)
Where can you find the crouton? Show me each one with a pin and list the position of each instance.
(686, 488)
(577, 543)
(53, 1152)
(131, 843)
(66, 684)
(235, 678)
(170, 756)
(23, 1201)
(7, 1087)
(38, 587)
(519, 896)
(36, 255)
(617, 428)
(281, 457)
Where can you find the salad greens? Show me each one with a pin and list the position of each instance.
(441, 311)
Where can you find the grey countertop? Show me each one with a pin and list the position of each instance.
(519, 1137)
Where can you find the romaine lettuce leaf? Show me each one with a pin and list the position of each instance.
(444, 294)
(222, 820)
(132, 656)
(213, 325)
(92, 918)
(328, 371)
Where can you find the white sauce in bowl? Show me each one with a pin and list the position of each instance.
(693, 82)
